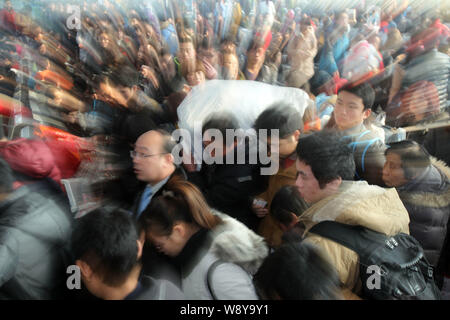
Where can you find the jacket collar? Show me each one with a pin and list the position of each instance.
(194, 249)
(431, 179)
(13, 198)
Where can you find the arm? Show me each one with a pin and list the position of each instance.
(9, 248)
(230, 282)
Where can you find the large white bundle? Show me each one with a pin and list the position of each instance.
(244, 99)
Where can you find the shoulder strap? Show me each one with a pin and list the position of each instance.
(349, 236)
(209, 277)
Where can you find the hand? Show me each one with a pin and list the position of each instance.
(260, 212)
(400, 57)
(72, 117)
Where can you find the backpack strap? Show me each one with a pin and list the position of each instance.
(353, 144)
(209, 277)
(367, 144)
(353, 237)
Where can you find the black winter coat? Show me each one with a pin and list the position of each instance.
(229, 188)
(427, 199)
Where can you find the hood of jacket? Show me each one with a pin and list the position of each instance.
(41, 215)
(358, 203)
(234, 242)
(31, 157)
(430, 189)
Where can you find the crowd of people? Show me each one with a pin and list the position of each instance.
(92, 94)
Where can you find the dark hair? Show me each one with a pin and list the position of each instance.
(221, 121)
(319, 79)
(106, 241)
(173, 101)
(6, 177)
(178, 201)
(415, 158)
(286, 201)
(280, 116)
(185, 37)
(363, 91)
(328, 155)
(297, 271)
(256, 43)
(125, 76)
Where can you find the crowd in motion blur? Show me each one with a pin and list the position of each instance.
(92, 93)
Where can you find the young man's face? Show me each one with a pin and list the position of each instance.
(255, 56)
(230, 66)
(186, 53)
(349, 111)
(308, 185)
(195, 78)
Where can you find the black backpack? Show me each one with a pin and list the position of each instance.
(391, 268)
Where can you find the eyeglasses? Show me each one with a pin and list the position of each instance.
(134, 154)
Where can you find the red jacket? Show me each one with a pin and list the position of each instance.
(30, 157)
(8, 20)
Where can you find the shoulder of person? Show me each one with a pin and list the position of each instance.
(159, 289)
(236, 243)
(229, 281)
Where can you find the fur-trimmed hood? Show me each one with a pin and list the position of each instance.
(428, 192)
(234, 242)
(441, 165)
(358, 203)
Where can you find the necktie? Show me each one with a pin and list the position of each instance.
(145, 199)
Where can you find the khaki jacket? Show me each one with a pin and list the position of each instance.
(268, 227)
(356, 203)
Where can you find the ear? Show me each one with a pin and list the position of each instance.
(186, 88)
(140, 246)
(169, 158)
(334, 185)
(297, 135)
(294, 220)
(85, 269)
(366, 113)
(179, 230)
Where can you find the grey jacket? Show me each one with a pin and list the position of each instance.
(155, 289)
(35, 227)
(242, 252)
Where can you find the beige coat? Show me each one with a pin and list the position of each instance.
(356, 203)
(268, 227)
(301, 51)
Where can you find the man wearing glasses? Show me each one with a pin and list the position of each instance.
(153, 164)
